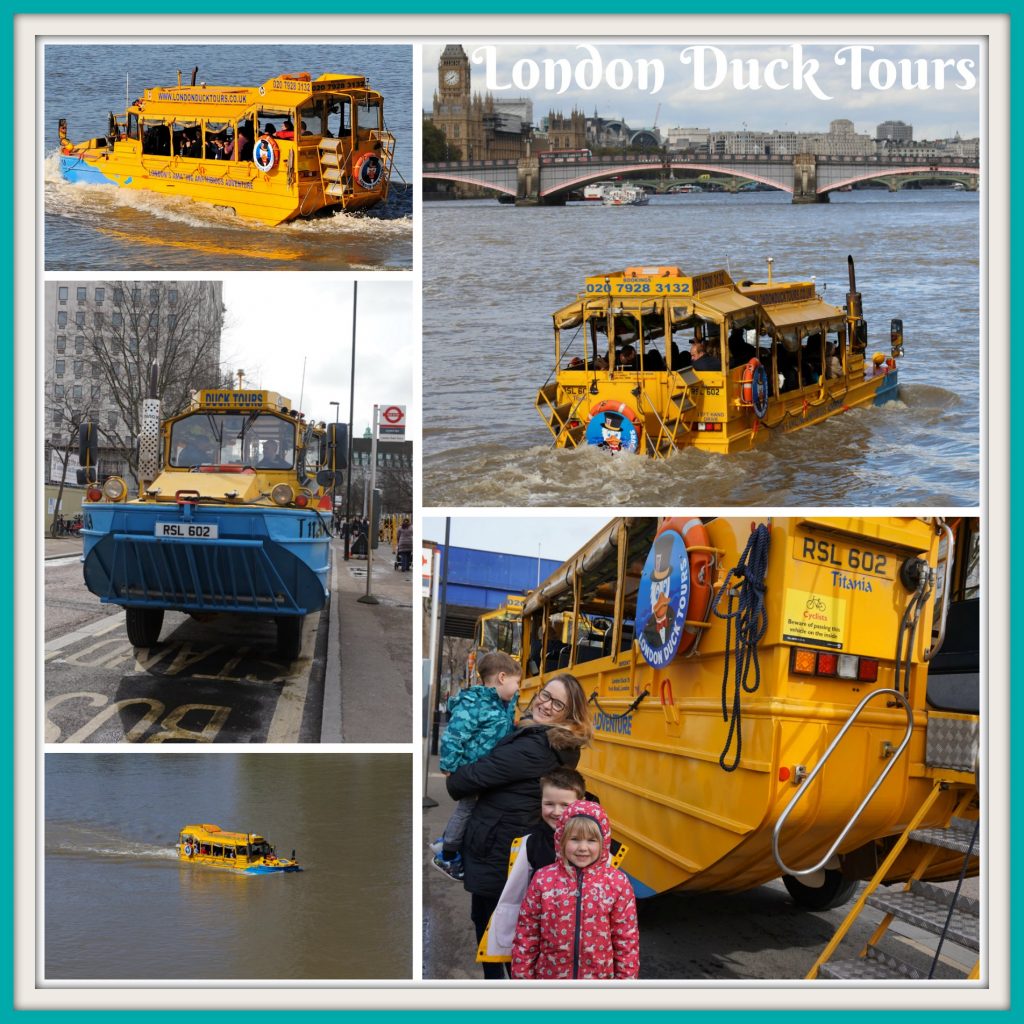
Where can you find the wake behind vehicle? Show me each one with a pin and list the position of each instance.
(784, 697)
(288, 148)
(772, 357)
(233, 515)
(245, 852)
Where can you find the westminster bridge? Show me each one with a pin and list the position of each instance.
(549, 180)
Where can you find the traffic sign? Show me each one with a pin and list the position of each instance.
(391, 422)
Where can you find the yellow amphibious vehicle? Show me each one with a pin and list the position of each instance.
(652, 359)
(794, 697)
(245, 852)
(288, 148)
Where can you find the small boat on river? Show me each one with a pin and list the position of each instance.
(291, 147)
(652, 360)
(625, 195)
(245, 852)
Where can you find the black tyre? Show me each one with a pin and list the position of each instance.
(833, 892)
(144, 625)
(289, 637)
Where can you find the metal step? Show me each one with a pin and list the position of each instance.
(332, 174)
(927, 906)
(329, 159)
(956, 837)
(335, 190)
(874, 964)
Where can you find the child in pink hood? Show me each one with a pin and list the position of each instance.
(578, 919)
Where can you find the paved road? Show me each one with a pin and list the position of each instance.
(758, 934)
(221, 680)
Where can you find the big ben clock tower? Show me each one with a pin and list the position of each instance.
(453, 103)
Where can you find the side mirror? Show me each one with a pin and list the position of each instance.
(325, 478)
(896, 336)
(85, 475)
(337, 442)
(87, 454)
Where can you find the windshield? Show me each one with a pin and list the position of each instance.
(261, 441)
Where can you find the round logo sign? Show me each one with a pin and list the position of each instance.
(613, 432)
(370, 170)
(393, 414)
(663, 599)
(264, 154)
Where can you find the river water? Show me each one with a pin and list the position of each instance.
(119, 904)
(99, 227)
(493, 274)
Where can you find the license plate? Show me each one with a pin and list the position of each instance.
(187, 531)
(842, 556)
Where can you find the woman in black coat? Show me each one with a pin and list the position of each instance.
(506, 783)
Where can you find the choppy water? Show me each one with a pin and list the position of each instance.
(120, 905)
(493, 274)
(95, 226)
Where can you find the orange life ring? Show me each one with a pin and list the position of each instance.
(610, 405)
(695, 537)
(369, 171)
(749, 392)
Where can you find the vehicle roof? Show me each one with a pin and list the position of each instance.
(217, 835)
(230, 100)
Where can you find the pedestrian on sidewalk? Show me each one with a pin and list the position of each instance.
(405, 546)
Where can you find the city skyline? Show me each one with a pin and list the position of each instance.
(803, 90)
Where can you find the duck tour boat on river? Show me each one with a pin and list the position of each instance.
(666, 361)
(291, 147)
(245, 852)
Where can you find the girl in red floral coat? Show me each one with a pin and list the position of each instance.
(578, 918)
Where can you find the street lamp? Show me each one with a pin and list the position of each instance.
(334, 480)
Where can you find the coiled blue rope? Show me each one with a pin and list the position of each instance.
(745, 585)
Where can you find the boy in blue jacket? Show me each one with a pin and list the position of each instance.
(478, 718)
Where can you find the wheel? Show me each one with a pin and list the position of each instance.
(289, 636)
(834, 891)
(144, 625)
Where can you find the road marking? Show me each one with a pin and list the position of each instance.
(291, 702)
(56, 563)
(97, 628)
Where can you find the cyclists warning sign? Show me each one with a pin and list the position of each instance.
(814, 619)
(391, 422)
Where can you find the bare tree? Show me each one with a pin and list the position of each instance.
(176, 325)
(66, 415)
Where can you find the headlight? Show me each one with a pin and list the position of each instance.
(282, 494)
(115, 489)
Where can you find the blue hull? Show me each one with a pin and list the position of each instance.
(76, 170)
(262, 870)
(889, 389)
(263, 561)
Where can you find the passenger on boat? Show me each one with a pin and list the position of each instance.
(601, 363)
(575, 363)
(626, 358)
(245, 143)
(653, 360)
(287, 130)
(272, 457)
(740, 351)
(787, 370)
(305, 130)
(702, 359)
(680, 360)
(833, 368)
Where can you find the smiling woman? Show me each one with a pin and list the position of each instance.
(506, 783)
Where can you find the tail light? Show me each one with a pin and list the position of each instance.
(830, 665)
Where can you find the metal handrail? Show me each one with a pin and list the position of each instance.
(821, 764)
(947, 586)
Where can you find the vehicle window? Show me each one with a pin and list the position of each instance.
(233, 439)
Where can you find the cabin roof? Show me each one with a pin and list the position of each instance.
(215, 834)
(229, 100)
(786, 314)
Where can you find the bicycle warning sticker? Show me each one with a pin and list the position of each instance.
(815, 619)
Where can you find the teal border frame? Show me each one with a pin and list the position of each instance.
(449, 7)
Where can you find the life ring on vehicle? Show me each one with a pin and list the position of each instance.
(369, 171)
(754, 387)
(702, 573)
(188, 850)
(614, 426)
(266, 153)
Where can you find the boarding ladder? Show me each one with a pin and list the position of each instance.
(682, 385)
(557, 415)
(951, 753)
(336, 169)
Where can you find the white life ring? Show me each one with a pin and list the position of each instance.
(188, 850)
(266, 153)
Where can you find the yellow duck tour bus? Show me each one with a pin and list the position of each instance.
(666, 361)
(789, 697)
(245, 852)
(291, 147)
(233, 514)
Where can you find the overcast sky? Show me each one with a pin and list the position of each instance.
(549, 536)
(260, 337)
(934, 112)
